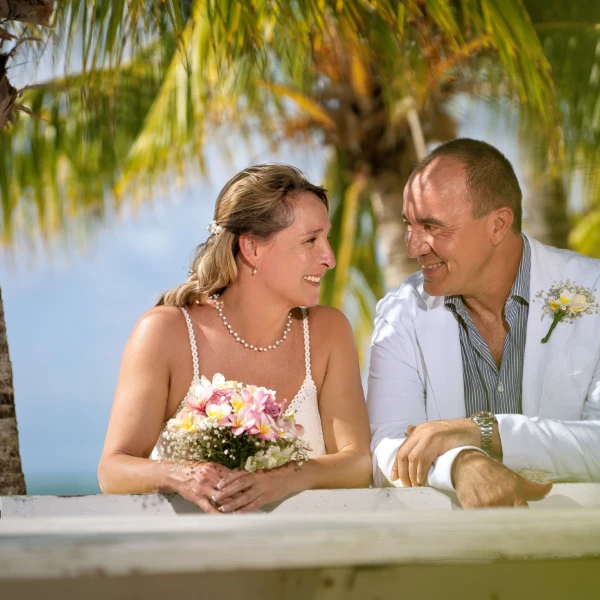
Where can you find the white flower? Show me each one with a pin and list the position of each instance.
(569, 301)
(566, 301)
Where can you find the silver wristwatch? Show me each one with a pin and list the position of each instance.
(486, 421)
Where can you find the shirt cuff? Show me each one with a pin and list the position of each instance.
(440, 474)
(384, 456)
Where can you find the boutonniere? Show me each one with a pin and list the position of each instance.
(566, 301)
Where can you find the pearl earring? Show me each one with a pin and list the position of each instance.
(254, 270)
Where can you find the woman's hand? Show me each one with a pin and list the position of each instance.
(241, 491)
(197, 483)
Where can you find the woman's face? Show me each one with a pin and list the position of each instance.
(293, 262)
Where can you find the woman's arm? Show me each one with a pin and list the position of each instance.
(345, 429)
(343, 411)
(138, 414)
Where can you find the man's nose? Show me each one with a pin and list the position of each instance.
(416, 244)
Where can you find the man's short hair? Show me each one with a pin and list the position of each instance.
(491, 179)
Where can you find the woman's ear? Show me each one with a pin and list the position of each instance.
(248, 248)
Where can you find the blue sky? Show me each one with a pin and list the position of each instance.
(69, 316)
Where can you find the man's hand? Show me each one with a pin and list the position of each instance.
(482, 481)
(426, 442)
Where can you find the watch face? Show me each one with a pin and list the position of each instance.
(484, 416)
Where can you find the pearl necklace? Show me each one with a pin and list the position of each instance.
(219, 307)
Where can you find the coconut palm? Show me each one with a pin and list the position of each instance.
(367, 79)
(33, 12)
(570, 35)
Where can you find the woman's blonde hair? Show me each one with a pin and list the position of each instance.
(256, 201)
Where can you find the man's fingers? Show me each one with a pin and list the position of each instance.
(413, 463)
(423, 469)
(534, 490)
(401, 462)
(403, 474)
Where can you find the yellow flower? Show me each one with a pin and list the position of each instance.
(187, 423)
(237, 403)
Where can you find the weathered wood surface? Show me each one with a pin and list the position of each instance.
(116, 546)
(351, 544)
(323, 501)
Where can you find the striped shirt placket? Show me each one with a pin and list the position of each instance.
(487, 387)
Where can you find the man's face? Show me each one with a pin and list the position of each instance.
(451, 247)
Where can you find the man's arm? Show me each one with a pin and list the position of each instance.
(396, 399)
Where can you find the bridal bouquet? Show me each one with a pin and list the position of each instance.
(236, 425)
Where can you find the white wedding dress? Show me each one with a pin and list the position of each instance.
(305, 403)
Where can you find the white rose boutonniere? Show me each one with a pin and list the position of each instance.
(566, 301)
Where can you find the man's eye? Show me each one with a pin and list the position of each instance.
(311, 241)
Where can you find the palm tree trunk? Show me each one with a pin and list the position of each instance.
(11, 475)
(546, 211)
(35, 12)
(387, 189)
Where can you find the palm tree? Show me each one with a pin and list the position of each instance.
(32, 12)
(570, 35)
(367, 78)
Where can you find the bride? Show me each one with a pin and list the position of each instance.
(238, 315)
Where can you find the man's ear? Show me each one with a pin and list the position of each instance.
(501, 221)
(248, 248)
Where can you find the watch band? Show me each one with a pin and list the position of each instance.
(485, 421)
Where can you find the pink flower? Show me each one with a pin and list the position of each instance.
(264, 427)
(290, 430)
(257, 397)
(243, 421)
(199, 397)
(196, 404)
(273, 408)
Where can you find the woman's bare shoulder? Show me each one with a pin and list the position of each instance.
(329, 323)
(159, 323)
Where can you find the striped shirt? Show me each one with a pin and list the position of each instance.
(487, 387)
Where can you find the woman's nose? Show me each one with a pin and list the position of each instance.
(328, 257)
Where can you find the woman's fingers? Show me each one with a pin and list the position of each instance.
(242, 500)
(200, 496)
(255, 504)
(233, 486)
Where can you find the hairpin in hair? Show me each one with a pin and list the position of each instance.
(214, 228)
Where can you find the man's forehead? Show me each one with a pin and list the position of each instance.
(443, 175)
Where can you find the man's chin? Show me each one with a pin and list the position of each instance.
(435, 288)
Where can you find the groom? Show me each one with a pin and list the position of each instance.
(462, 392)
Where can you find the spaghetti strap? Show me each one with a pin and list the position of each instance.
(306, 342)
(193, 345)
